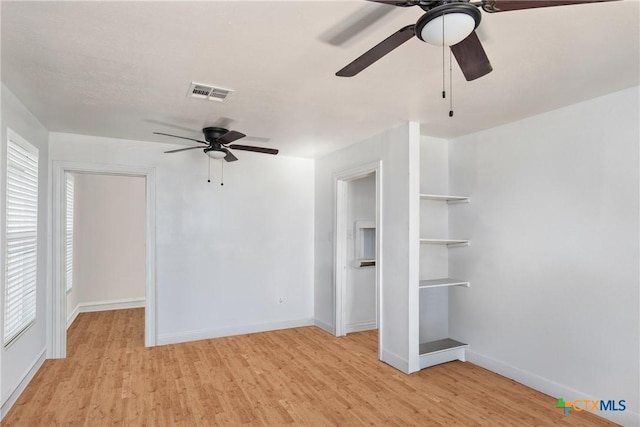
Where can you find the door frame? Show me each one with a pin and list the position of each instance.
(341, 181)
(57, 295)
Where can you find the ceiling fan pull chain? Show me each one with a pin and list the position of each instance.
(444, 94)
(450, 85)
(209, 176)
(221, 172)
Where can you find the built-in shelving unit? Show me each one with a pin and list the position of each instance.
(435, 344)
(446, 349)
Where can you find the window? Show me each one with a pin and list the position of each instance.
(68, 254)
(21, 237)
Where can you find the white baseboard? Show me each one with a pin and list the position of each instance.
(19, 388)
(325, 326)
(394, 360)
(205, 334)
(546, 386)
(73, 316)
(117, 304)
(359, 327)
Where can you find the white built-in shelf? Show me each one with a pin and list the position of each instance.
(441, 351)
(448, 242)
(440, 345)
(439, 283)
(445, 198)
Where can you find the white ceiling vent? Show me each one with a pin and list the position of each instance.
(211, 93)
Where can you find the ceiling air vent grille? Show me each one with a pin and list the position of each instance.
(211, 93)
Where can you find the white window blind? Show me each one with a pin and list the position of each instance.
(21, 237)
(68, 256)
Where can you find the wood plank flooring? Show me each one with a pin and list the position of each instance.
(300, 376)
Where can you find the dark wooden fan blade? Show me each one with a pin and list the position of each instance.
(230, 136)
(181, 137)
(493, 6)
(183, 149)
(471, 57)
(378, 51)
(229, 157)
(255, 149)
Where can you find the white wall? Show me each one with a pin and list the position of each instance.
(20, 360)
(225, 254)
(397, 149)
(360, 292)
(109, 242)
(553, 261)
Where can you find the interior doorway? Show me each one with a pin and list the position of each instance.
(62, 304)
(104, 243)
(357, 250)
(360, 303)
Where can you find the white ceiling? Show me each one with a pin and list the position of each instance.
(122, 69)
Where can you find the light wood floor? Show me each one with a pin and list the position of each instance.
(300, 376)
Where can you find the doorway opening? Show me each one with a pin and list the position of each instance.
(111, 235)
(104, 243)
(357, 250)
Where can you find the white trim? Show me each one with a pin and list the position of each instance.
(72, 317)
(360, 326)
(549, 387)
(413, 303)
(442, 356)
(324, 326)
(57, 318)
(340, 248)
(22, 385)
(204, 334)
(392, 359)
(118, 304)
(379, 263)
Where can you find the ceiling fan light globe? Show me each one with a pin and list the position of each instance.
(214, 154)
(457, 27)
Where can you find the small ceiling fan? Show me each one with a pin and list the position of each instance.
(449, 23)
(217, 143)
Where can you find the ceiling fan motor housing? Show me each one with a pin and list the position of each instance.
(212, 134)
(463, 20)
